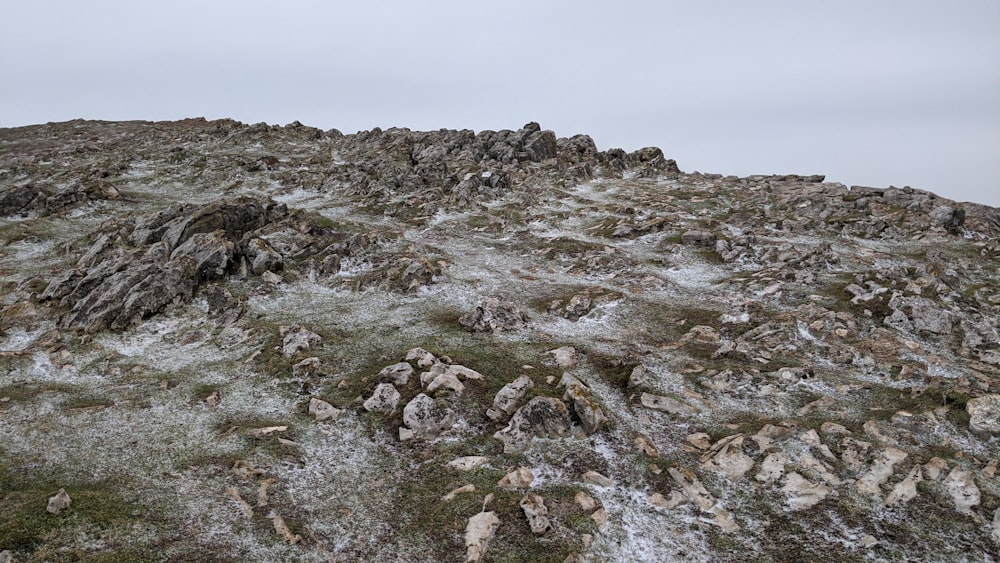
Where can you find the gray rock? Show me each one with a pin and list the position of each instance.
(296, 338)
(587, 409)
(984, 414)
(263, 257)
(426, 418)
(542, 417)
(508, 397)
(384, 399)
(491, 315)
(698, 238)
(536, 512)
(398, 374)
(948, 217)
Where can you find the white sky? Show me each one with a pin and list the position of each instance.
(871, 92)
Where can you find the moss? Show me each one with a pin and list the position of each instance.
(97, 510)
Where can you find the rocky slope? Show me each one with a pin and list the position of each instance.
(232, 342)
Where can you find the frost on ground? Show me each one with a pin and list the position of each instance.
(523, 349)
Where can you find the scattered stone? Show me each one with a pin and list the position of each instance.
(541, 417)
(984, 414)
(492, 316)
(726, 456)
(600, 517)
(423, 357)
(699, 440)
(591, 415)
(58, 502)
(245, 507)
(665, 404)
(282, 529)
(520, 478)
(697, 494)
(934, 468)
(447, 381)
(646, 446)
(470, 488)
(585, 501)
(296, 339)
(802, 493)
(961, 485)
(426, 418)
(905, 490)
(265, 430)
(880, 470)
(564, 357)
(467, 463)
(595, 478)
(509, 396)
(397, 374)
(537, 514)
(6, 556)
(309, 367)
(772, 468)
(478, 533)
(323, 410)
(698, 238)
(384, 399)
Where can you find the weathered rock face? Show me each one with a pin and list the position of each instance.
(305, 345)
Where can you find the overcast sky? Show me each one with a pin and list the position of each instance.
(871, 92)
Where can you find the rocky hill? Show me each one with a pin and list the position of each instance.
(223, 342)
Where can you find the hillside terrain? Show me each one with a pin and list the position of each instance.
(230, 342)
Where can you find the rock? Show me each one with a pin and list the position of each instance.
(772, 468)
(262, 257)
(423, 357)
(448, 381)
(996, 526)
(832, 428)
(271, 278)
(564, 357)
(323, 410)
(541, 417)
(456, 371)
(467, 463)
(58, 502)
(579, 305)
(726, 456)
(600, 518)
(701, 337)
(699, 440)
(478, 533)
(961, 485)
(697, 494)
(984, 414)
(585, 501)
(934, 468)
(282, 529)
(880, 470)
(383, 399)
(470, 488)
(296, 339)
(665, 404)
(23, 313)
(537, 514)
(509, 396)
(520, 478)
(6, 557)
(698, 238)
(948, 217)
(595, 478)
(212, 253)
(308, 367)
(591, 415)
(426, 417)
(801, 493)
(397, 374)
(492, 316)
(905, 490)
